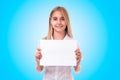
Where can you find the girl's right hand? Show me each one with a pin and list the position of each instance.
(38, 56)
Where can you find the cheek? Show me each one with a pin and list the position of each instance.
(52, 23)
(64, 23)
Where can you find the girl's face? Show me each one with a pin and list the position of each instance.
(58, 22)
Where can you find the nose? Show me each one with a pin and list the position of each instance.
(59, 21)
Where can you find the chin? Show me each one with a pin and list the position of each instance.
(59, 30)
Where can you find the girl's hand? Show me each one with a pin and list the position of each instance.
(38, 56)
(78, 59)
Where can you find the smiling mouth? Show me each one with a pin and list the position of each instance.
(59, 26)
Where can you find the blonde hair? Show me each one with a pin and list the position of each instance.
(66, 16)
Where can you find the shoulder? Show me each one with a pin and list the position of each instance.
(71, 38)
(67, 37)
(44, 38)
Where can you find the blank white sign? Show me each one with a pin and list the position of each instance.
(58, 52)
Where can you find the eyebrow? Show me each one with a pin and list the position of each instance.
(56, 17)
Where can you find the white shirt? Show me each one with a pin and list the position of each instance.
(58, 72)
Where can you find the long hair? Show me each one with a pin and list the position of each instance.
(66, 16)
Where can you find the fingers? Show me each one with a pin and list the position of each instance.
(78, 59)
(38, 49)
(38, 54)
(78, 53)
(77, 50)
(78, 56)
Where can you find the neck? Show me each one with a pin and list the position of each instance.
(58, 36)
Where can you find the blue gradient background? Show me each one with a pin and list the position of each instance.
(95, 24)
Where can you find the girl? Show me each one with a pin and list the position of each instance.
(59, 29)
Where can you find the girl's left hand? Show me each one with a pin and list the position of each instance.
(78, 59)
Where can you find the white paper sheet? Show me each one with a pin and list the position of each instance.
(58, 52)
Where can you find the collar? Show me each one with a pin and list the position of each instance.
(65, 38)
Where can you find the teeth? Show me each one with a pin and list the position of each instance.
(59, 26)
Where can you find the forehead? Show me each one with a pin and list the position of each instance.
(57, 14)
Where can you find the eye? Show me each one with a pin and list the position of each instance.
(54, 18)
(62, 18)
